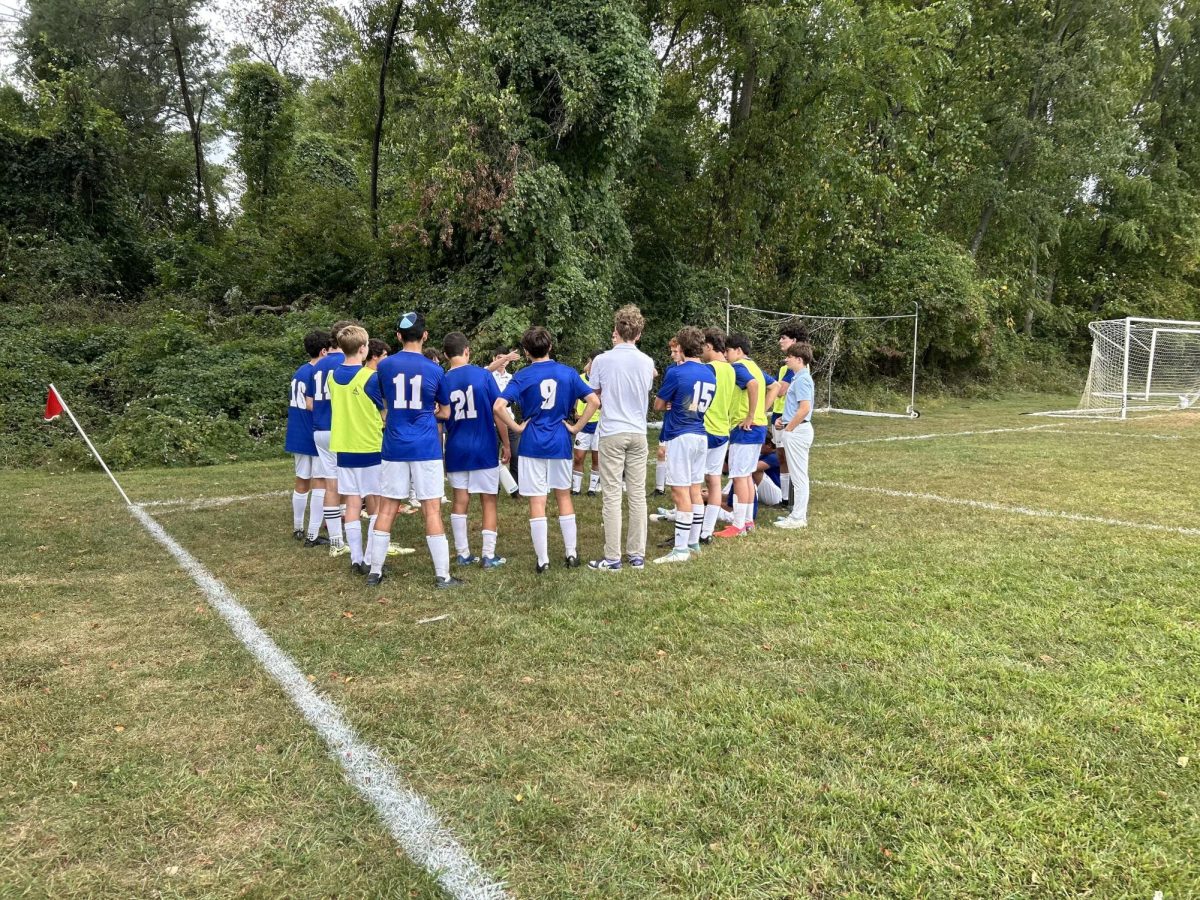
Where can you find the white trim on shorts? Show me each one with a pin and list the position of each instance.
(304, 465)
(538, 477)
(358, 481)
(326, 458)
(476, 481)
(714, 459)
(687, 456)
(743, 459)
(400, 478)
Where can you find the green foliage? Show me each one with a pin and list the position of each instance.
(258, 113)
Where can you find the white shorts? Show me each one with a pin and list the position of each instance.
(326, 458)
(769, 492)
(538, 477)
(400, 479)
(743, 459)
(476, 481)
(305, 465)
(358, 481)
(687, 455)
(585, 441)
(714, 459)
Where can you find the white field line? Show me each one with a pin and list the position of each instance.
(1010, 510)
(208, 502)
(1120, 434)
(408, 816)
(939, 434)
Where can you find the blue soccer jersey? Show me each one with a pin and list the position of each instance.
(689, 387)
(470, 392)
(318, 389)
(546, 391)
(299, 438)
(406, 384)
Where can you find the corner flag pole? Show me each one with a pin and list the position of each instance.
(55, 395)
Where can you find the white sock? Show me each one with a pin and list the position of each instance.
(489, 543)
(354, 539)
(316, 512)
(739, 514)
(710, 520)
(724, 515)
(683, 528)
(570, 536)
(333, 523)
(785, 483)
(576, 481)
(379, 549)
(594, 484)
(660, 475)
(541, 541)
(299, 504)
(368, 553)
(439, 549)
(697, 523)
(458, 525)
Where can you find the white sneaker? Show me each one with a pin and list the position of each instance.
(789, 522)
(393, 550)
(675, 556)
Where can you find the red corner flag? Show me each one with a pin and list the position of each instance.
(54, 405)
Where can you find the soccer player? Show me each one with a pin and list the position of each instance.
(746, 439)
(299, 442)
(660, 453)
(499, 369)
(798, 431)
(587, 441)
(546, 391)
(407, 385)
(466, 398)
(789, 334)
(376, 351)
(718, 423)
(356, 437)
(322, 416)
(687, 392)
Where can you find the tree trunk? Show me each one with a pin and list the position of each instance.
(190, 112)
(393, 24)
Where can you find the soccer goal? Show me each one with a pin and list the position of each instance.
(855, 357)
(1139, 365)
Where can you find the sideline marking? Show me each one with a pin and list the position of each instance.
(938, 434)
(408, 816)
(1123, 434)
(207, 502)
(1012, 510)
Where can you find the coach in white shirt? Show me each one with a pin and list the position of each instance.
(623, 377)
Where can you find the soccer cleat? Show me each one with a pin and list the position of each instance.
(706, 539)
(360, 569)
(572, 562)
(468, 559)
(658, 493)
(375, 579)
(341, 548)
(393, 550)
(789, 522)
(298, 534)
(694, 548)
(448, 582)
(605, 565)
(674, 556)
(637, 562)
(542, 568)
(592, 492)
(493, 562)
(730, 531)
(318, 541)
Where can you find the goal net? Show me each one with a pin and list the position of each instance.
(862, 365)
(1138, 365)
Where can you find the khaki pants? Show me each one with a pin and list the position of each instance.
(623, 458)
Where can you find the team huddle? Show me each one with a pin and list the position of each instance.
(377, 434)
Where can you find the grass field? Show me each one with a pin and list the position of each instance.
(910, 698)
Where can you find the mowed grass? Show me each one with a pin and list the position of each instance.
(909, 698)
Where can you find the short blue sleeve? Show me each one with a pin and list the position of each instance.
(372, 389)
(512, 392)
(310, 382)
(668, 384)
(769, 379)
(443, 393)
(742, 375)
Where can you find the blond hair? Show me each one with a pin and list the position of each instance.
(352, 338)
(628, 322)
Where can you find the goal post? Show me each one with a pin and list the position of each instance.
(856, 358)
(1139, 365)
